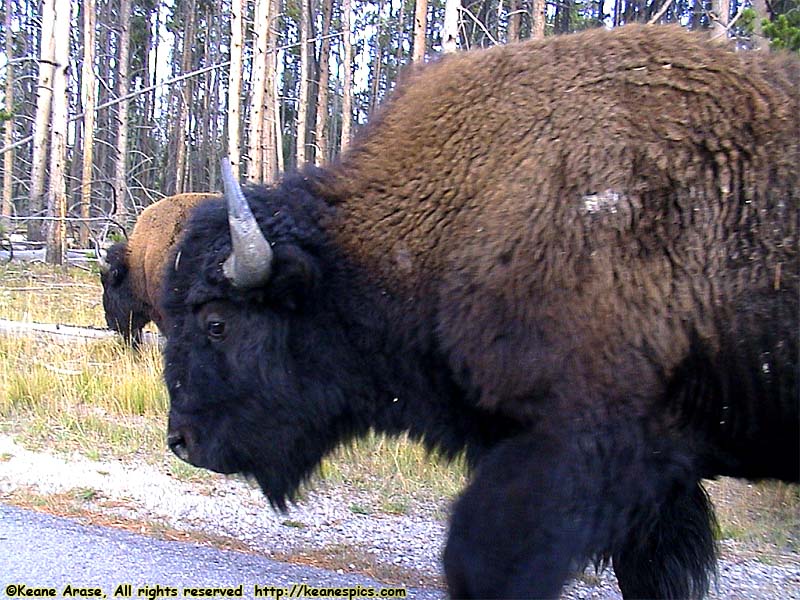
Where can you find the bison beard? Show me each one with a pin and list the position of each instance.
(576, 260)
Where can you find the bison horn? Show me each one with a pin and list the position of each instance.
(101, 254)
(250, 261)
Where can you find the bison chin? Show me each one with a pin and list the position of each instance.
(229, 450)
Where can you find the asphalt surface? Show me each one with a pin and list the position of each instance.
(40, 552)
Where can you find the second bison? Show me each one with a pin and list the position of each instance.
(131, 271)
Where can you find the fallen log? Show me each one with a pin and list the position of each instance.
(38, 255)
(67, 332)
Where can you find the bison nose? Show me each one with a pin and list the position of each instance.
(177, 443)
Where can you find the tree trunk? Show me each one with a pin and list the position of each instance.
(279, 118)
(57, 196)
(151, 114)
(322, 152)
(312, 78)
(8, 134)
(286, 89)
(255, 164)
(450, 30)
(759, 40)
(720, 15)
(271, 133)
(103, 117)
(512, 34)
(375, 87)
(400, 37)
(347, 85)
(420, 30)
(211, 155)
(43, 106)
(235, 84)
(123, 77)
(698, 12)
(303, 74)
(88, 84)
(184, 98)
(563, 17)
(203, 164)
(538, 15)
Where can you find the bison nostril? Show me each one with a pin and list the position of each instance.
(177, 443)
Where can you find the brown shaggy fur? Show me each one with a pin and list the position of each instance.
(503, 149)
(155, 234)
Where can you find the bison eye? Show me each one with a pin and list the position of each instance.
(215, 328)
(213, 319)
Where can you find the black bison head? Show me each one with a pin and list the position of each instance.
(125, 310)
(273, 362)
(249, 391)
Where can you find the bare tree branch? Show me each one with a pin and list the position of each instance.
(660, 13)
(480, 25)
(150, 88)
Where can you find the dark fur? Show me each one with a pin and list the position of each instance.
(126, 310)
(132, 283)
(576, 259)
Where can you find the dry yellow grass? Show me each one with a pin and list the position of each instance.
(39, 293)
(98, 397)
(765, 514)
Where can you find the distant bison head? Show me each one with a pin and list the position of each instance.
(126, 311)
(131, 272)
(575, 258)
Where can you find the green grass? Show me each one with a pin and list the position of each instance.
(360, 509)
(395, 467)
(294, 524)
(85, 494)
(184, 471)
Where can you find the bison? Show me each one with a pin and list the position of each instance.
(575, 259)
(131, 272)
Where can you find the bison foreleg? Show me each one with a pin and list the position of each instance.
(673, 555)
(548, 502)
(514, 532)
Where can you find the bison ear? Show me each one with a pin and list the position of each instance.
(294, 277)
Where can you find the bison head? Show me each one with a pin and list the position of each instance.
(249, 390)
(125, 311)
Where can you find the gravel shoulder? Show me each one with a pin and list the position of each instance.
(331, 526)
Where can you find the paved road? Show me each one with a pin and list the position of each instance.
(41, 551)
